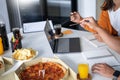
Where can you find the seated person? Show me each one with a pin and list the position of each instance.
(108, 20)
(113, 42)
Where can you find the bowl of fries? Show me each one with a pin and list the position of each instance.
(24, 54)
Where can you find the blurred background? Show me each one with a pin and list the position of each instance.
(16, 12)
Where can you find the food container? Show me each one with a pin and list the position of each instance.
(5, 64)
(70, 74)
(2, 66)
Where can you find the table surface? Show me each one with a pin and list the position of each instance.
(39, 42)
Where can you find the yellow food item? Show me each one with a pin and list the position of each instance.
(24, 54)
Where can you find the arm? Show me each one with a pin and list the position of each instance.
(76, 18)
(103, 22)
(111, 41)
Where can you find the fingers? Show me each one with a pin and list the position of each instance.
(85, 21)
(75, 17)
(72, 17)
(90, 22)
(103, 69)
(97, 68)
(73, 13)
(88, 19)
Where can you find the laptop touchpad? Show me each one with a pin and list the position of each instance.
(63, 45)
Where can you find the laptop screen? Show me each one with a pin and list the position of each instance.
(49, 31)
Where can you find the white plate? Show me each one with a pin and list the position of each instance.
(28, 59)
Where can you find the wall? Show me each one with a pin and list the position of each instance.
(13, 12)
(90, 8)
(98, 5)
(4, 14)
(87, 8)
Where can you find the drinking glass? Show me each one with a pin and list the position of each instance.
(57, 28)
(83, 70)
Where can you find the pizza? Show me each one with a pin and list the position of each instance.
(43, 71)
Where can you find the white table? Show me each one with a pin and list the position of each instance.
(39, 42)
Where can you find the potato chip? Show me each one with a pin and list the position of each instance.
(24, 54)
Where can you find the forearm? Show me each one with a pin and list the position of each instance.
(111, 41)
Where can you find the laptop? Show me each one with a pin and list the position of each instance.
(61, 45)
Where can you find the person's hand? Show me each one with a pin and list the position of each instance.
(97, 36)
(103, 69)
(75, 17)
(89, 21)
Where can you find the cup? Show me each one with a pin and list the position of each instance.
(83, 70)
(57, 28)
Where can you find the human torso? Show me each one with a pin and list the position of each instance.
(115, 19)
